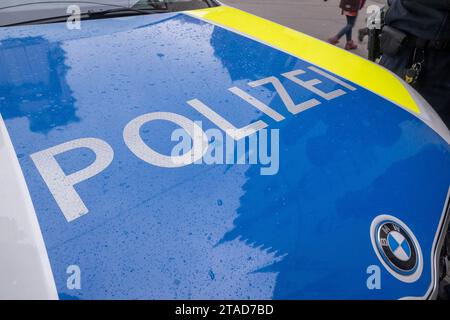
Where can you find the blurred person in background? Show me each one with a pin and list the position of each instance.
(350, 9)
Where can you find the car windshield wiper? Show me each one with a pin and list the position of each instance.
(148, 3)
(92, 14)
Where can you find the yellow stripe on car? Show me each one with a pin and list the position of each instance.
(349, 66)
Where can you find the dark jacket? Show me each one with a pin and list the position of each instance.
(426, 19)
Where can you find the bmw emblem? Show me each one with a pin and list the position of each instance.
(397, 248)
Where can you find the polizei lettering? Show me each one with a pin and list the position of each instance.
(62, 185)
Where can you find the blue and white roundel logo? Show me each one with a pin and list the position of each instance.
(397, 248)
(399, 245)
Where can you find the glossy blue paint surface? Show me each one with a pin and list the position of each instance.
(218, 231)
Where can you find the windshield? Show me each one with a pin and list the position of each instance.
(23, 11)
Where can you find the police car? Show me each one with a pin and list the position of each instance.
(189, 150)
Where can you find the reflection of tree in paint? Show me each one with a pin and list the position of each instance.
(33, 83)
(242, 58)
(325, 154)
(268, 207)
(298, 213)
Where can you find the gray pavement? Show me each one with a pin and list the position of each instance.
(314, 17)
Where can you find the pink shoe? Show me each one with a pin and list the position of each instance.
(350, 45)
(333, 40)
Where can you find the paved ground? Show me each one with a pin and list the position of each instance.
(314, 17)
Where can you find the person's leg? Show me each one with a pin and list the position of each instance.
(340, 34)
(350, 45)
(343, 31)
(350, 24)
(434, 82)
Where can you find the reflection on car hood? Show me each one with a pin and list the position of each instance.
(215, 231)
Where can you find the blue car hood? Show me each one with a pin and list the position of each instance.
(224, 230)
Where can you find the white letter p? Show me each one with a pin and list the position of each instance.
(61, 185)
